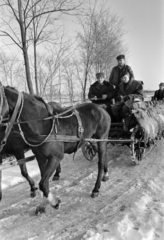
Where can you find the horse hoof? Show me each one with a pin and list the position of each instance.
(134, 163)
(56, 206)
(55, 178)
(94, 194)
(40, 210)
(33, 193)
(105, 178)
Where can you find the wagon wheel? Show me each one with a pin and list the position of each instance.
(89, 151)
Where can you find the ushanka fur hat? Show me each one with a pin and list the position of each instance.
(120, 57)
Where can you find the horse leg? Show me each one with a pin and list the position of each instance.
(102, 147)
(57, 173)
(51, 165)
(106, 173)
(24, 172)
(0, 178)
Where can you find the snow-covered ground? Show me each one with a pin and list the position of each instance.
(130, 205)
(11, 176)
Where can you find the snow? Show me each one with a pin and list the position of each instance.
(12, 176)
(143, 221)
(130, 205)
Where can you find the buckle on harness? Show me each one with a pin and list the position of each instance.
(81, 129)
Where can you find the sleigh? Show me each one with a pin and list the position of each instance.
(134, 136)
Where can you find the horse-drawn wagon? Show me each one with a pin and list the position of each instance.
(132, 131)
(51, 131)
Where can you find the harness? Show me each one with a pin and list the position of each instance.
(42, 138)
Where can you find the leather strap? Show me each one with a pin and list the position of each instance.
(11, 122)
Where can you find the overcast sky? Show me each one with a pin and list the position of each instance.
(144, 21)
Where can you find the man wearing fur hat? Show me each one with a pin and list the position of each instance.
(102, 92)
(128, 90)
(120, 70)
(159, 94)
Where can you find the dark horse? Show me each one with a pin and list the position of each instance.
(40, 132)
(16, 146)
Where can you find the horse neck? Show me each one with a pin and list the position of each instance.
(32, 110)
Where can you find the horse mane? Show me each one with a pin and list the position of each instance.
(48, 107)
(57, 108)
(53, 108)
(38, 98)
(13, 88)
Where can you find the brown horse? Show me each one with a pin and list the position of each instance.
(41, 132)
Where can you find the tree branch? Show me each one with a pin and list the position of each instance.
(7, 34)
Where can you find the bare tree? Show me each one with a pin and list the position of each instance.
(49, 67)
(26, 15)
(8, 68)
(100, 39)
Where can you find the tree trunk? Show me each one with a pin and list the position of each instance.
(27, 68)
(85, 84)
(35, 69)
(24, 48)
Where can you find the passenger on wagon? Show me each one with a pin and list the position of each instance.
(127, 90)
(159, 94)
(102, 92)
(119, 71)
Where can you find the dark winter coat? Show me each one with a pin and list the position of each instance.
(117, 74)
(98, 90)
(132, 89)
(159, 95)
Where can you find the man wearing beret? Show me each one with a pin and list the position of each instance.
(128, 90)
(159, 94)
(102, 92)
(120, 70)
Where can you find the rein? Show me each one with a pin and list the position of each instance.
(11, 122)
(56, 116)
(49, 137)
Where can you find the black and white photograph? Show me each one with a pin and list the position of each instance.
(81, 119)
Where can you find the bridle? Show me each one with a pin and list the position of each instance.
(10, 123)
(3, 105)
(16, 116)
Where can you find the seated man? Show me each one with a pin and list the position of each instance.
(102, 92)
(127, 91)
(159, 94)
